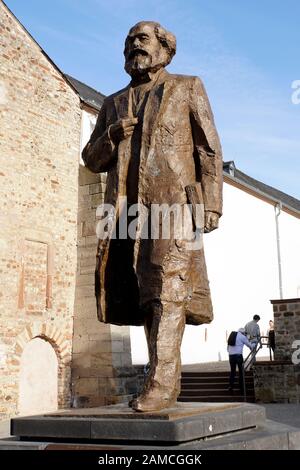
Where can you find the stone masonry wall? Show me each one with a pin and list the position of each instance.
(279, 380)
(287, 327)
(39, 154)
(102, 368)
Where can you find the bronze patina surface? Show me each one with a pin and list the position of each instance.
(179, 410)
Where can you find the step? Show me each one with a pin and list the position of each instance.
(212, 374)
(213, 387)
(218, 384)
(208, 392)
(216, 399)
(212, 382)
(213, 379)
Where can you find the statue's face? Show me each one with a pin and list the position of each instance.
(143, 52)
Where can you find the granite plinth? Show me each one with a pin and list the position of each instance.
(185, 422)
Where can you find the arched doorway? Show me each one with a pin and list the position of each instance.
(38, 378)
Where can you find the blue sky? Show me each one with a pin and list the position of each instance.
(246, 52)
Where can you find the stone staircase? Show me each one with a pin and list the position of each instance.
(213, 387)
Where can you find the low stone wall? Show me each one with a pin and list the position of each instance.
(287, 327)
(277, 382)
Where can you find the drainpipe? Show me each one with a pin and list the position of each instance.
(278, 208)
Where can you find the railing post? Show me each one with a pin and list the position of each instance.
(244, 382)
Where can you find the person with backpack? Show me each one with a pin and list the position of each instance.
(236, 342)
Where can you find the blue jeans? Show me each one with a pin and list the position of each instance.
(236, 360)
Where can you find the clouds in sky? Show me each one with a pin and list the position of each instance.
(234, 46)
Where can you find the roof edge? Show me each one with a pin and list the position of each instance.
(41, 49)
(263, 195)
(92, 103)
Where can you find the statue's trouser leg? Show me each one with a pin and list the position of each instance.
(164, 330)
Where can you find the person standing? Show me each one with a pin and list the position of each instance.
(271, 336)
(236, 358)
(253, 333)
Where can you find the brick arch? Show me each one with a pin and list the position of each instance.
(53, 336)
(47, 332)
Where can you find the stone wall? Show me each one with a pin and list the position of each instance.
(102, 367)
(279, 380)
(287, 327)
(39, 153)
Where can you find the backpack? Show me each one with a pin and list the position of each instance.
(232, 338)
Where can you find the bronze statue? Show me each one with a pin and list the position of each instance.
(157, 141)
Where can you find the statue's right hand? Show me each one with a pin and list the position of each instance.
(122, 129)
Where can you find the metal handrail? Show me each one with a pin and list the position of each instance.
(251, 356)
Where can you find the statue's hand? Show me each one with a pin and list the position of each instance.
(211, 221)
(122, 129)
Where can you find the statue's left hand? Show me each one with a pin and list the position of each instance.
(211, 221)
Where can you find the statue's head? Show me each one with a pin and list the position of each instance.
(148, 48)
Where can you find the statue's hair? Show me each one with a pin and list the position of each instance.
(167, 39)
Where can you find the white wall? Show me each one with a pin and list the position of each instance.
(289, 228)
(243, 271)
(88, 122)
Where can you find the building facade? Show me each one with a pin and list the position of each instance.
(40, 132)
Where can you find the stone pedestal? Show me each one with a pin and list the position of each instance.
(185, 422)
(186, 426)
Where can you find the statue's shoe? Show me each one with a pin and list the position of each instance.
(152, 402)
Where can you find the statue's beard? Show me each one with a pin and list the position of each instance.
(140, 63)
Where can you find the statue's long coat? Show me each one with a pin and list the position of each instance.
(178, 146)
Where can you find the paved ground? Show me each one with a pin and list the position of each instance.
(286, 413)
